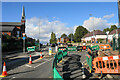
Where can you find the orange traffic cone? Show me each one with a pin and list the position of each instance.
(41, 55)
(4, 73)
(30, 60)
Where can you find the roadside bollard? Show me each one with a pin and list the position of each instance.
(56, 48)
(50, 51)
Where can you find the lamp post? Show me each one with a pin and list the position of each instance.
(107, 36)
(93, 26)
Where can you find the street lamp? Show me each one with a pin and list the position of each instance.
(107, 36)
(93, 25)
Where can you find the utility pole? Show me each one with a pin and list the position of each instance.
(119, 24)
(93, 27)
(39, 35)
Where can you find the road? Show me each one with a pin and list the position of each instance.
(19, 67)
(70, 67)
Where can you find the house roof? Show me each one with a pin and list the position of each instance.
(114, 31)
(64, 37)
(10, 23)
(9, 26)
(96, 32)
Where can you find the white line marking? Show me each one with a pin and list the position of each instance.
(83, 61)
(43, 63)
(109, 76)
(28, 65)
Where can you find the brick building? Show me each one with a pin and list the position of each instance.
(14, 29)
(63, 39)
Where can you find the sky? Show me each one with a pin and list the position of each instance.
(60, 17)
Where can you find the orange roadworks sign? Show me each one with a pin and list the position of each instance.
(105, 47)
(107, 64)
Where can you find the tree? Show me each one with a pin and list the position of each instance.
(113, 27)
(105, 30)
(64, 35)
(79, 33)
(53, 38)
(110, 29)
(71, 36)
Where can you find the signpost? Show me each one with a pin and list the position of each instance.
(23, 42)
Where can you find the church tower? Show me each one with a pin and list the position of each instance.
(23, 21)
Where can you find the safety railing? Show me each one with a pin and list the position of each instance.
(57, 58)
(89, 60)
(93, 48)
(105, 47)
(107, 64)
(33, 48)
(73, 48)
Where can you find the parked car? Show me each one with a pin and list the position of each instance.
(79, 48)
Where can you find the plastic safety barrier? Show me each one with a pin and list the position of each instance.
(107, 64)
(89, 60)
(31, 48)
(59, 56)
(84, 47)
(93, 49)
(73, 48)
(105, 47)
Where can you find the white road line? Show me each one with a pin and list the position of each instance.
(43, 63)
(28, 65)
(109, 76)
(83, 61)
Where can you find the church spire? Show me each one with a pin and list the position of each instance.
(23, 12)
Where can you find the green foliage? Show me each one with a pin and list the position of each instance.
(71, 36)
(53, 38)
(68, 41)
(88, 41)
(110, 29)
(100, 40)
(12, 43)
(73, 42)
(105, 30)
(64, 35)
(79, 33)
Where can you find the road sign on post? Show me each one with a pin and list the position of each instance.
(23, 42)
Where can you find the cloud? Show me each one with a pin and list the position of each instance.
(96, 23)
(34, 24)
(108, 16)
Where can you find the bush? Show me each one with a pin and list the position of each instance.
(68, 41)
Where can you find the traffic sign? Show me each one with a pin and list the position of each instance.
(23, 38)
(23, 34)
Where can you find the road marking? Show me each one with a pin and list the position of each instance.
(43, 63)
(28, 65)
(83, 61)
(109, 76)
